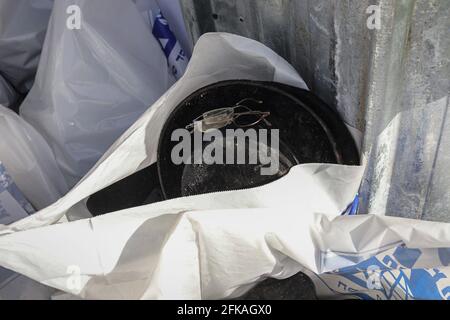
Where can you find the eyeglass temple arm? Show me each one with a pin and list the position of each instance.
(248, 99)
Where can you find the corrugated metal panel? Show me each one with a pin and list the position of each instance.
(392, 83)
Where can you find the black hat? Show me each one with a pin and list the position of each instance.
(309, 132)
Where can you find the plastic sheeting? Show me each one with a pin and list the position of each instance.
(171, 10)
(220, 245)
(93, 83)
(177, 56)
(23, 24)
(29, 160)
(219, 57)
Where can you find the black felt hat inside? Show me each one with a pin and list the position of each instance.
(309, 132)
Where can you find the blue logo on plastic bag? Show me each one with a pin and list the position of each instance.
(175, 55)
(397, 274)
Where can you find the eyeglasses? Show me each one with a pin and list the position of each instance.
(222, 117)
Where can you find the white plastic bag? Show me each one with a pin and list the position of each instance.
(163, 30)
(23, 24)
(93, 83)
(217, 57)
(173, 13)
(29, 160)
(220, 245)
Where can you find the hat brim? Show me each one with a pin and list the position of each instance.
(313, 131)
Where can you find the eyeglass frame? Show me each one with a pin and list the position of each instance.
(221, 112)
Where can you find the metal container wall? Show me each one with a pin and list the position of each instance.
(392, 83)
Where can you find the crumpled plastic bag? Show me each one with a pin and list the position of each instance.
(220, 245)
(173, 13)
(93, 83)
(217, 57)
(411, 269)
(23, 24)
(163, 30)
(29, 160)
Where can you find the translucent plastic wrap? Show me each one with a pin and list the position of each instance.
(93, 83)
(29, 160)
(220, 245)
(23, 24)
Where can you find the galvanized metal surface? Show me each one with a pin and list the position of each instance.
(392, 83)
